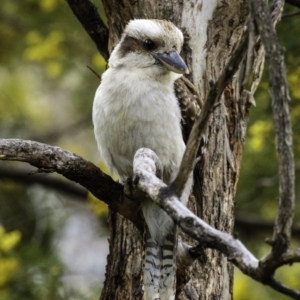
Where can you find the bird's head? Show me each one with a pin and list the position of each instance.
(150, 45)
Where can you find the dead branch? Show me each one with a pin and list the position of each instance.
(243, 222)
(201, 123)
(54, 159)
(294, 2)
(293, 14)
(126, 201)
(144, 166)
(276, 11)
(282, 123)
(252, 224)
(73, 167)
(25, 177)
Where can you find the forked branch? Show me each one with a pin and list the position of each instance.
(145, 162)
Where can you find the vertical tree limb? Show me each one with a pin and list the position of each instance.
(201, 123)
(87, 14)
(282, 123)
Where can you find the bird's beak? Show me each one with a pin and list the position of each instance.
(172, 61)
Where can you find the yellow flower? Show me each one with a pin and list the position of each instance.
(9, 240)
(44, 48)
(48, 5)
(258, 133)
(8, 269)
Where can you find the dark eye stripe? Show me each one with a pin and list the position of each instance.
(130, 44)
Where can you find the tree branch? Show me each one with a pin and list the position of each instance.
(87, 14)
(54, 159)
(254, 224)
(243, 222)
(294, 2)
(282, 123)
(276, 11)
(46, 158)
(201, 123)
(73, 167)
(291, 14)
(25, 177)
(144, 166)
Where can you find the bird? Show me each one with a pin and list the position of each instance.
(135, 107)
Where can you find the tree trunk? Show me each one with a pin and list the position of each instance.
(212, 30)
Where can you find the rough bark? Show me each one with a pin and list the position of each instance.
(282, 123)
(212, 30)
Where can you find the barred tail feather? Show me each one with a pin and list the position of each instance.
(160, 258)
(168, 269)
(152, 265)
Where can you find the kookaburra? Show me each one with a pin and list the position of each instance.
(135, 107)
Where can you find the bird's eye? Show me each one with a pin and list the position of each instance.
(149, 44)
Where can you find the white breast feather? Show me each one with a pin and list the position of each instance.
(131, 112)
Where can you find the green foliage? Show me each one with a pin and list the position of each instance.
(46, 94)
(44, 71)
